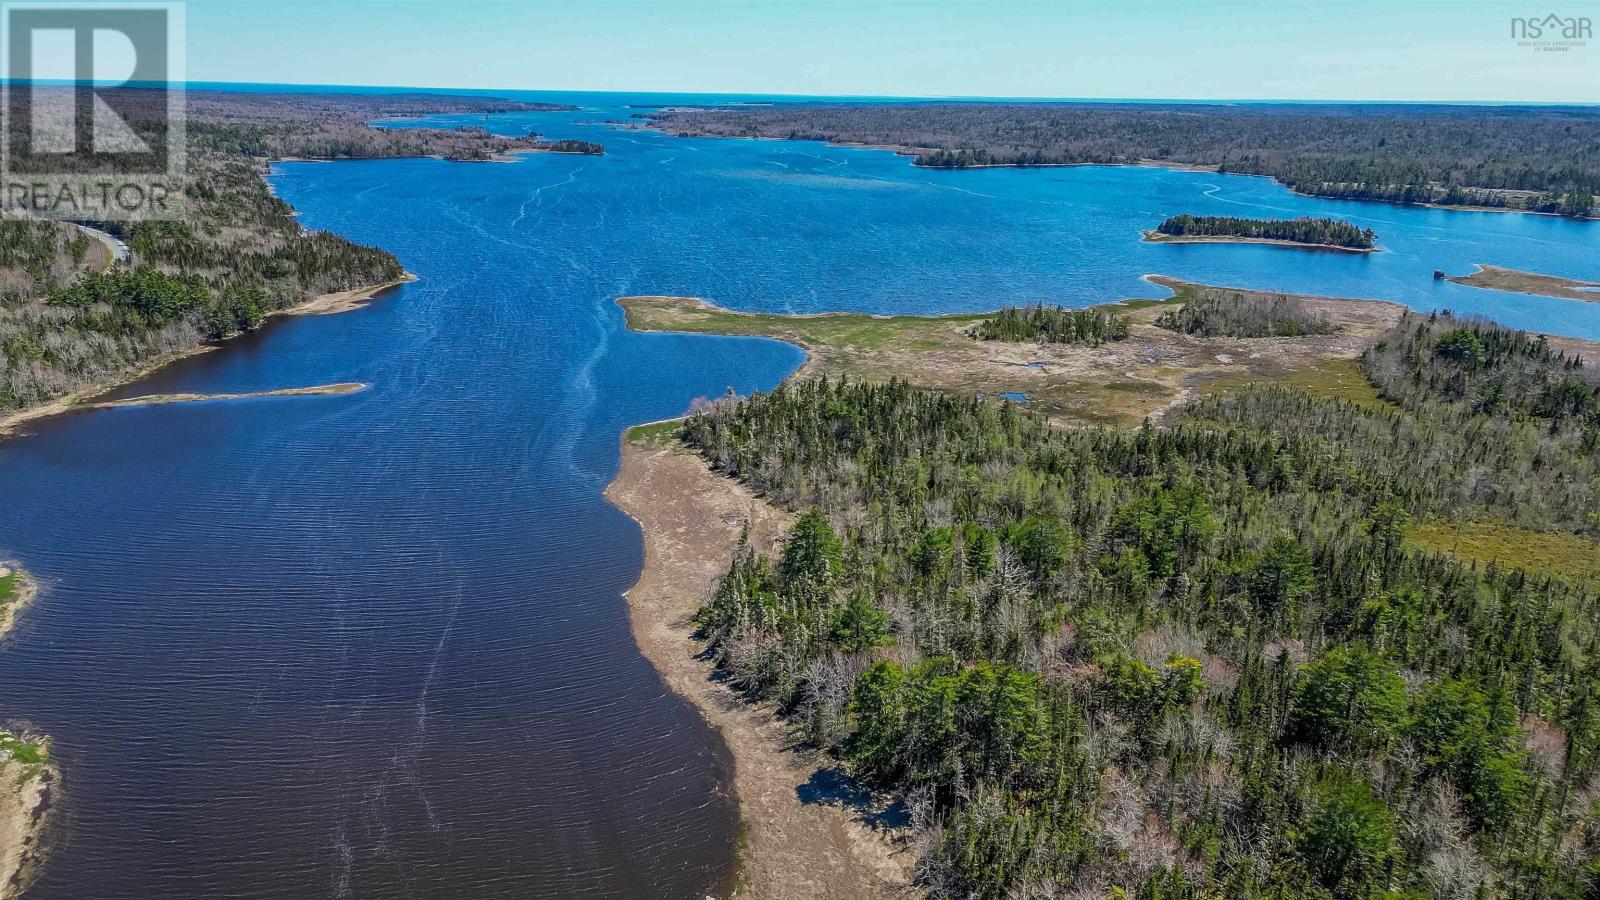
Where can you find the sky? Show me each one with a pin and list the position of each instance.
(1157, 49)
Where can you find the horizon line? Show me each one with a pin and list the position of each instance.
(291, 87)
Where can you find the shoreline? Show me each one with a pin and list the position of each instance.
(27, 809)
(1156, 237)
(26, 591)
(27, 785)
(1174, 165)
(27, 806)
(691, 519)
(320, 305)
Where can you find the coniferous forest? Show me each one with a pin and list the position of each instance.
(1545, 159)
(1194, 661)
(1300, 231)
(1052, 325)
(1223, 313)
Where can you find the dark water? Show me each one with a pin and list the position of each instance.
(374, 645)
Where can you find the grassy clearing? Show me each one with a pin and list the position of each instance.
(1335, 379)
(1508, 546)
(852, 331)
(844, 330)
(30, 755)
(654, 432)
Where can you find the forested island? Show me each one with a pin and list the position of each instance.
(239, 255)
(1538, 159)
(1245, 654)
(1306, 232)
(585, 148)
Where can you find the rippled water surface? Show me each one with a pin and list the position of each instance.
(374, 645)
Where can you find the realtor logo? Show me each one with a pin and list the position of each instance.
(93, 110)
(1552, 32)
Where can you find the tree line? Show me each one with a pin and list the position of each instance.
(1052, 325)
(1215, 312)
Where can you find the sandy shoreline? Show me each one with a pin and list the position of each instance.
(319, 390)
(26, 804)
(1500, 278)
(320, 305)
(25, 788)
(691, 519)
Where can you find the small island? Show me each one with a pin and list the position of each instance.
(585, 148)
(1329, 234)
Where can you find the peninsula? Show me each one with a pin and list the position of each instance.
(863, 631)
(239, 257)
(1497, 278)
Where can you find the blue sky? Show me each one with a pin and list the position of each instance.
(1346, 49)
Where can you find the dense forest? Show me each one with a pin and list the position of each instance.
(1220, 313)
(1197, 661)
(36, 256)
(1539, 158)
(1052, 325)
(237, 254)
(1479, 366)
(1331, 232)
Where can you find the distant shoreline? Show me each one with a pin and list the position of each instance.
(1173, 165)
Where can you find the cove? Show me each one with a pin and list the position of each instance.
(373, 645)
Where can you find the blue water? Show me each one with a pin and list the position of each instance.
(812, 227)
(374, 645)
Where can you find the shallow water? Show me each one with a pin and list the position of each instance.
(373, 645)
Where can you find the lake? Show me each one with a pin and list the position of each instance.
(374, 645)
